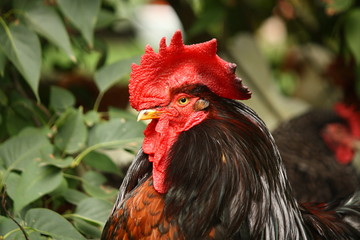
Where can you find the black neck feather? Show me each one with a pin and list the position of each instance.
(226, 172)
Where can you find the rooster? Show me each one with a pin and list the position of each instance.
(208, 167)
(318, 149)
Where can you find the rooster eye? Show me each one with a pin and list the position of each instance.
(183, 100)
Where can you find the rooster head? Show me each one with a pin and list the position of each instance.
(160, 89)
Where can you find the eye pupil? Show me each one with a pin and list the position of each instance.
(183, 100)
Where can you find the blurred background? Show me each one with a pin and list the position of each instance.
(64, 70)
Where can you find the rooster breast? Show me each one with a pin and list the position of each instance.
(140, 216)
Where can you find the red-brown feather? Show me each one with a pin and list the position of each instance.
(141, 216)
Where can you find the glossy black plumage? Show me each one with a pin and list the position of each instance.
(226, 181)
(313, 170)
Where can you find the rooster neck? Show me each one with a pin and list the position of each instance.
(227, 172)
(160, 135)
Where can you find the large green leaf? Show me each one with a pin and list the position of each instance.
(46, 21)
(18, 151)
(74, 196)
(352, 33)
(33, 183)
(93, 231)
(11, 231)
(112, 134)
(101, 162)
(83, 14)
(113, 73)
(72, 134)
(92, 184)
(60, 99)
(22, 47)
(94, 210)
(51, 223)
(117, 131)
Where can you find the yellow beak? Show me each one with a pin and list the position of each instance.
(147, 114)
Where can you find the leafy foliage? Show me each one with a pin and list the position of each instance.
(53, 156)
(54, 166)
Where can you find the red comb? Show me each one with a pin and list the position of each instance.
(177, 65)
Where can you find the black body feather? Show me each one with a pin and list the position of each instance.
(226, 173)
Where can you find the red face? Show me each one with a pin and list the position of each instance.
(182, 113)
(152, 85)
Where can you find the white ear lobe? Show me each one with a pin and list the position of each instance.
(201, 104)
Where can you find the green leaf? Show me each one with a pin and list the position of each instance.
(9, 229)
(3, 98)
(119, 131)
(337, 6)
(51, 223)
(94, 210)
(105, 18)
(57, 162)
(83, 14)
(122, 114)
(352, 33)
(91, 117)
(101, 162)
(111, 74)
(74, 196)
(93, 231)
(46, 21)
(112, 134)
(30, 144)
(94, 178)
(2, 63)
(92, 184)
(22, 113)
(33, 183)
(72, 134)
(6, 225)
(15, 123)
(60, 99)
(22, 48)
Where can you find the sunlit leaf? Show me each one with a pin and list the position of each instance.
(33, 183)
(94, 210)
(113, 73)
(60, 98)
(46, 21)
(30, 144)
(83, 14)
(72, 134)
(352, 33)
(51, 223)
(22, 47)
